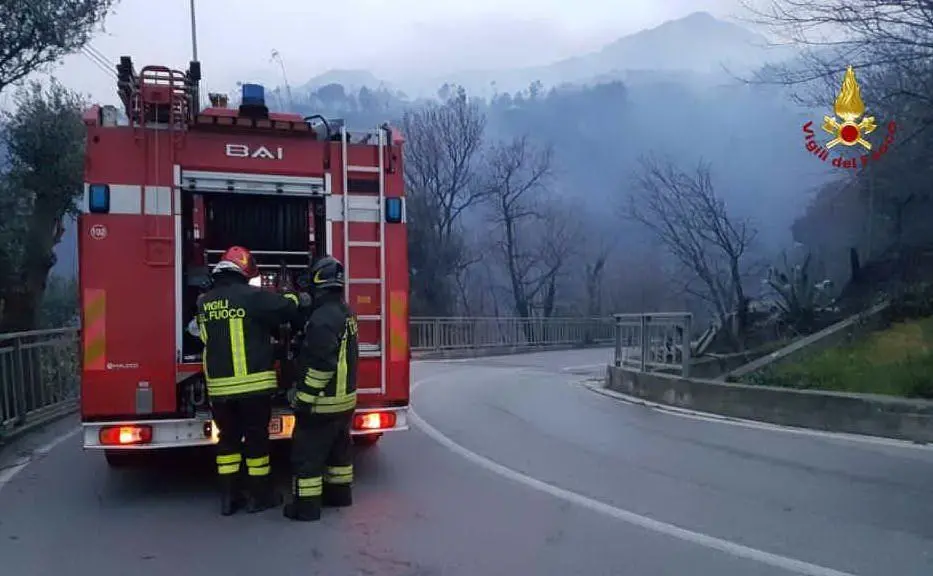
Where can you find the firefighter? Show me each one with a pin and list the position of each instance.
(324, 399)
(236, 322)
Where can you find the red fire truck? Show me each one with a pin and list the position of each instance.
(168, 187)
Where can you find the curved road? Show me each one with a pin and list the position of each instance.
(514, 467)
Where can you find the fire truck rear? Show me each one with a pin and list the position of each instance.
(167, 189)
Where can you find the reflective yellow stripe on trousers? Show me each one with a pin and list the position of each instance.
(339, 474)
(309, 487)
(228, 463)
(258, 466)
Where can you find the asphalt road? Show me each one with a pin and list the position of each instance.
(513, 468)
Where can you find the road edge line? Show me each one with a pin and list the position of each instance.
(683, 534)
(8, 474)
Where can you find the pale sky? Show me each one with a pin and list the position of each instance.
(390, 38)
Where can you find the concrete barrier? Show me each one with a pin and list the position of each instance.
(870, 415)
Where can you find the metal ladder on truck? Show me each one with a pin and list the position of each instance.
(367, 350)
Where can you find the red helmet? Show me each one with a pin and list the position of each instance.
(237, 259)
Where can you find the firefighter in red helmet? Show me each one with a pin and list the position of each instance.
(236, 322)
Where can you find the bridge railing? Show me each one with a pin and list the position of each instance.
(653, 342)
(38, 376)
(440, 334)
(39, 370)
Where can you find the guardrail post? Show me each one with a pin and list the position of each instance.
(19, 383)
(645, 342)
(685, 343)
(436, 329)
(617, 360)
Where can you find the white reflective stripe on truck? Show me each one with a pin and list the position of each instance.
(124, 199)
(158, 200)
(135, 199)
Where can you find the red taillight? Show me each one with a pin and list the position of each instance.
(125, 435)
(374, 420)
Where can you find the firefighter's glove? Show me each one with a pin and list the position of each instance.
(193, 328)
(291, 395)
(304, 300)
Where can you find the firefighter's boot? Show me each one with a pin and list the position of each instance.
(230, 498)
(262, 494)
(303, 509)
(337, 495)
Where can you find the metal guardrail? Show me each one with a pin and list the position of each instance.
(40, 370)
(440, 334)
(653, 342)
(39, 377)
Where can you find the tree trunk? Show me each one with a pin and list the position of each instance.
(21, 304)
(21, 300)
(855, 268)
(550, 297)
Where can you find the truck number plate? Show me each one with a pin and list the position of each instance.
(283, 424)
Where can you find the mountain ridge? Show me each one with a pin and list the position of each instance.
(696, 44)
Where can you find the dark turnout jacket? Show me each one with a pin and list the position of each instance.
(236, 322)
(329, 358)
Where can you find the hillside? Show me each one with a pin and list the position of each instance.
(352, 80)
(661, 90)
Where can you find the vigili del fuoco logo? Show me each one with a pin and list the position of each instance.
(849, 127)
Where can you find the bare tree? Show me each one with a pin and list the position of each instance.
(686, 216)
(835, 220)
(596, 254)
(443, 143)
(889, 42)
(531, 240)
(638, 280)
(40, 32)
(559, 235)
(469, 302)
(586, 274)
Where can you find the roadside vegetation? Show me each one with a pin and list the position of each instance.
(896, 361)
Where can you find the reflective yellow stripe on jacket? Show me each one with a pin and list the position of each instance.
(242, 382)
(320, 403)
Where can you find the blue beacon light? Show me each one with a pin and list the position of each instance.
(98, 199)
(393, 210)
(253, 95)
